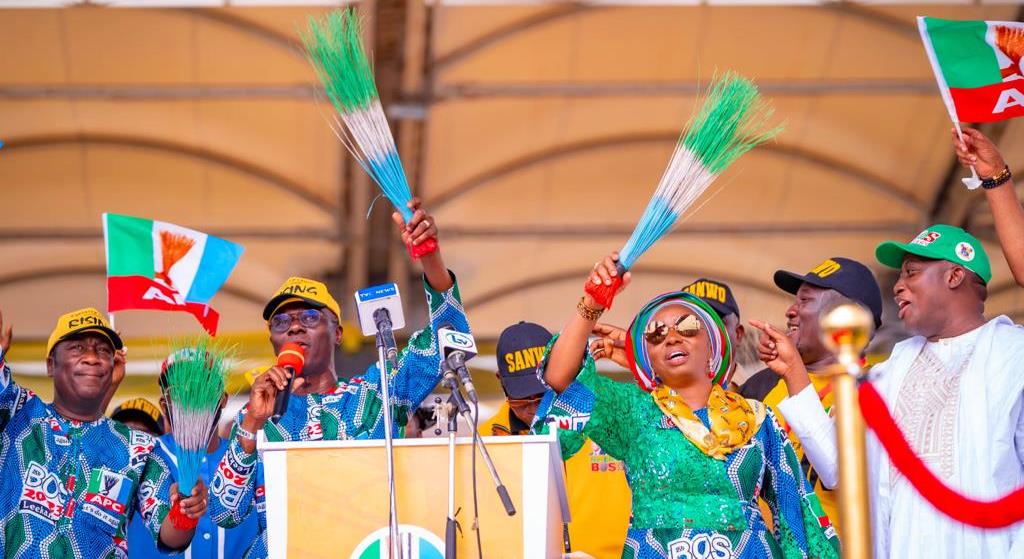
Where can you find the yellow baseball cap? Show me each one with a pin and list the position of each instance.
(302, 290)
(82, 320)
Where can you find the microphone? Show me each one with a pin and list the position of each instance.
(292, 358)
(382, 320)
(457, 348)
(379, 309)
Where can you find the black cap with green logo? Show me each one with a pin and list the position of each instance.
(939, 242)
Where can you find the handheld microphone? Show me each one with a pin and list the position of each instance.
(379, 309)
(292, 358)
(457, 348)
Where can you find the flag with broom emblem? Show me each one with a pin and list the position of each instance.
(732, 119)
(192, 381)
(334, 46)
(161, 266)
(977, 65)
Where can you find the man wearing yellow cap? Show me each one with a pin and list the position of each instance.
(70, 478)
(322, 408)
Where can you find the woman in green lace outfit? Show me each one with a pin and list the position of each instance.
(697, 457)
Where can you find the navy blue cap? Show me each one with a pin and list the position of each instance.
(520, 350)
(849, 277)
(716, 294)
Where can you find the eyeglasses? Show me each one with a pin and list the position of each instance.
(524, 402)
(687, 326)
(308, 318)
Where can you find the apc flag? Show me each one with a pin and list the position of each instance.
(978, 66)
(160, 266)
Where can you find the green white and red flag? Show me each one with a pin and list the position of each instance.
(978, 67)
(156, 265)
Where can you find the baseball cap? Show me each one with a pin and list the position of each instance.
(849, 277)
(183, 354)
(939, 242)
(302, 290)
(520, 349)
(139, 409)
(716, 294)
(82, 321)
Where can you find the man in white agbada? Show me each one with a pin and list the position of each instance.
(956, 390)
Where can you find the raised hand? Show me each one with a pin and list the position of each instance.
(977, 150)
(779, 353)
(603, 273)
(264, 392)
(420, 228)
(6, 333)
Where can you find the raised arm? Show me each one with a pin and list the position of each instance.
(976, 149)
(11, 398)
(802, 409)
(565, 359)
(799, 519)
(421, 228)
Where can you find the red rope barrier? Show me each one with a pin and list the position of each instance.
(982, 514)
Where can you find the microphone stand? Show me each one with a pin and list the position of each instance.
(452, 527)
(451, 381)
(384, 349)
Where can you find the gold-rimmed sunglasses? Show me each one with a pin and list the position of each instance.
(687, 326)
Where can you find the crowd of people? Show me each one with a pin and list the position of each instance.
(683, 462)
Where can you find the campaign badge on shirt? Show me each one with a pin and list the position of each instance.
(43, 494)
(107, 495)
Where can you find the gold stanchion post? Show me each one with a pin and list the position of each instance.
(846, 330)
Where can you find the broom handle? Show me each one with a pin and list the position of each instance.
(419, 251)
(604, 294)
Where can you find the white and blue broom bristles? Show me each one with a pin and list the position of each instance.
(732, 120)
(334, 46)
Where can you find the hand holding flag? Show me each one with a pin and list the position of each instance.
(974, 149)
(977, 65)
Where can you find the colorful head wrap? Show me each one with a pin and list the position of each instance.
(636, 347)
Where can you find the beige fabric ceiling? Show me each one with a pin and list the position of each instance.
(535, 132)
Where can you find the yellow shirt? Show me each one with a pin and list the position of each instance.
(828, 498)
(599, 497)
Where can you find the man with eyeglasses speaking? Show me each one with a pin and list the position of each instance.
(321, 407)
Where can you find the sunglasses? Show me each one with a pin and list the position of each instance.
(687, 326)
(308, 318)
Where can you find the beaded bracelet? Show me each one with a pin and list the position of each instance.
(587, 312)
(999, 179)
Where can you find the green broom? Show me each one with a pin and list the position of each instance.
(192, 380)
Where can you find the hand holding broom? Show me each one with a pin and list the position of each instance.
(731, 121)
(419, 230)
(187, 509)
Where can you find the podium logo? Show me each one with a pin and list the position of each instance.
(416, 543)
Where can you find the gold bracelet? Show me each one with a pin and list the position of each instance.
(587, 312)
